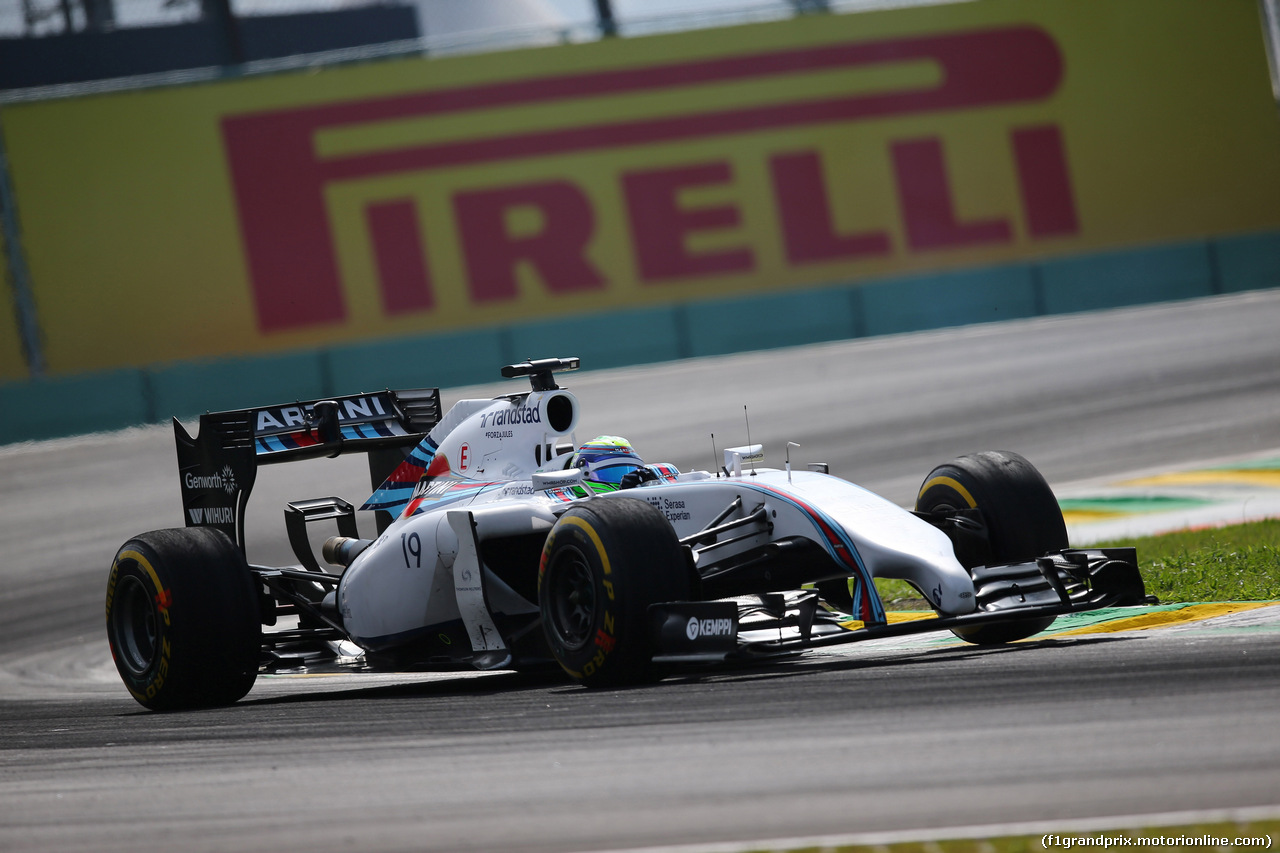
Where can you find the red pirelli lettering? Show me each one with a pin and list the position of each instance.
(397, 249)
(279, 178)
(808, 233)
(927, 208)
(1045, 183)
(660, 223)
(557, 251)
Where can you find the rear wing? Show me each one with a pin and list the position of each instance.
(217, 469)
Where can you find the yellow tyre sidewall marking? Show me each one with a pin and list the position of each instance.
(590, 532)
(145, 564)
(952, 484)
(151, 573)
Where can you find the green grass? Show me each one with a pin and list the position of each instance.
(1236, 563)
(899, 595)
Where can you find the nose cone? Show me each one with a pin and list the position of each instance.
(891, 541)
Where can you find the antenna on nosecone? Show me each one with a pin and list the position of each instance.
(790, 444)
(748, 420)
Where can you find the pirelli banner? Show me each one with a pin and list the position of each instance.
(12, 361)
(423, 195)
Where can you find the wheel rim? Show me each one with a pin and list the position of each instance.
(134, 628)
(572, 598)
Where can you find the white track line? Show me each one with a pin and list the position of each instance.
(1000, 830)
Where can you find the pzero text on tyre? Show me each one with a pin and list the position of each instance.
(603, 564)
(183, 620)
(1021, 514)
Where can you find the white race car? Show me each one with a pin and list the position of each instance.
(505, 543)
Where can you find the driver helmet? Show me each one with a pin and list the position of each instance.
(606, 459)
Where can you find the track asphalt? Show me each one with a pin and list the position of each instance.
(863, 743)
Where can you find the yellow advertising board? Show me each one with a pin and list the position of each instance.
(13, 364)
(427, 194)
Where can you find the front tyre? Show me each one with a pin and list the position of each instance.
(183, 619)
(1022, 518)
(603, 564)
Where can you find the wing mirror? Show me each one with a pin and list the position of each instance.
(544, 480)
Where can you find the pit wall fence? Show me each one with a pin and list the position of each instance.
(422, 221)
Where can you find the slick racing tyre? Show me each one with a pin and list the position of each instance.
(183, 619)
(1022, 516)
(603, 564)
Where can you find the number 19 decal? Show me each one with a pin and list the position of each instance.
(411, 544)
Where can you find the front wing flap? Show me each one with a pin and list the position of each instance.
(1072, 581)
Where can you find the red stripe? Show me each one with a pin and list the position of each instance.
(1029, 43)
(988, 67)
(399, 254)
(301, 439)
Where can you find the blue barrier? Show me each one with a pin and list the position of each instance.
(950, 299)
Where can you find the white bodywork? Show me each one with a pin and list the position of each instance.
(424, 570)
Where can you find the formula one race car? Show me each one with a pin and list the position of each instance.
(504, 543)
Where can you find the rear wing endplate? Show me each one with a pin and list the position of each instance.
(218, 467)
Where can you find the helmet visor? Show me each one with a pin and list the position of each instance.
(612, 470)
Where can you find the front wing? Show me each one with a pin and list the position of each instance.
(1072, 581)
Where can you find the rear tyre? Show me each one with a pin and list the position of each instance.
(603, 564)
(183, 619)
(1022, 516)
